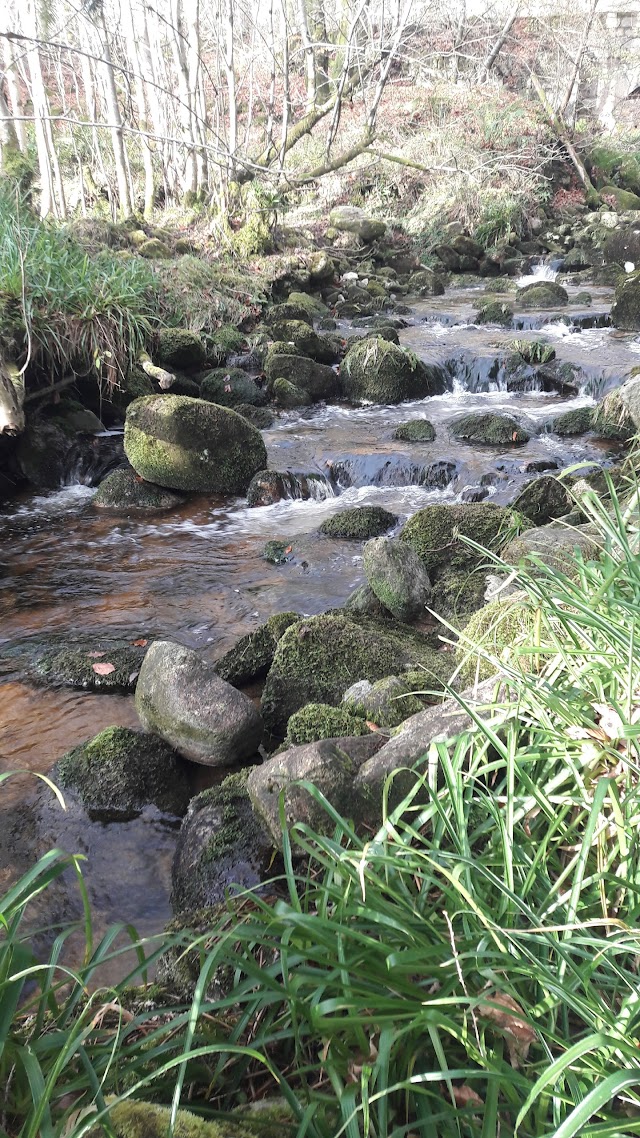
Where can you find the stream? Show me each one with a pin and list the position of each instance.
(69, 572)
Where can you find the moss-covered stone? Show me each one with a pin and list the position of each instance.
(435, 531)
(298, 333)
(503, 629)
(189, 444)
(252, 656)
(359, 523)
(364, 602)
(124, 490)
(317, 659)
(625, 312)
(228, 339)
(398, 578)
(321, 721)
(289, 395)
(352, 219)
(488, 429)
(617, 416)
(120, 771)
(494, 312)
(546, 294)
(260, 417)
(277, 552)
(458, 592)
(154, 249)
(570, 423)
(621, 199)
(135, 1119)
(373, 369)
(319, 380)
(230, 386)
(543, 499)
(387, 702)
(179, 349)
(416, 431)
(557, 545)
(85, 667)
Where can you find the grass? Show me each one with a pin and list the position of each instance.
(62, 309)
(468, 971)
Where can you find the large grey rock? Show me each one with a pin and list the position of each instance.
(397, 576)
(352, 219)
(330, 764)
(183, 700)
(555, 544)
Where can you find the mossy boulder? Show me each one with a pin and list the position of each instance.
(260, 417)
(359, 523)
(124, 491)
(252, 656)
(321, 721)
(617, 416)
(622, 246)
(317, 659)
(625, 312)
(135, 1119)
(277, 552)
(297, 332)
(288, 395)
(398, 578)
(230, 386)
(352, 219)
(189, 444)
(503, 629)
(415, 431)
(426, 283)
(570, 423)
(546, 294)
(487, 428)
(154, 249)
(543, 499)
(373, 369)
(177, 349)
(222, 845)
(319, 380)
(621, 199)
(458, 592)
(555, 544)
(100, 666)
(364, 602)
(387, 702)
(120, 771)
(435, 534)
(494, 312)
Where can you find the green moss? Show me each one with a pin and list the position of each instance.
(456, 593)
(321, 721)
(488, 428)
(277, 552)
(134, 1119)
(179, 348)
(416, 431)
(125, 490)
(434, 533)
(494, 312)
(533, 351)
(388, 702)
(254, 239)
(74, 667)
(573, 422)
(120, 771)
(228, 339)
(359, 523)
(260, 417)
(154, 249)
(503, 628)
(547, 294)
(319, 380)
(230, 386)
(288, 395)
(313, 307)
(251, 658)
(305, 340)
(543, 499)
(380, 371)
(622, 199)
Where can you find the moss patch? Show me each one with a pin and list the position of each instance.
(380, 371)
(576, 422)
(434, 533)
(494, 312)
(388, 702)
(416, 431)
(230, 386)
(289, 395)
(74, 667)
(251, 658)
(501, 628)
(125, 490)
(177, 348)
(485, 427)
(359, 523)
(321, 721)
(546, 294)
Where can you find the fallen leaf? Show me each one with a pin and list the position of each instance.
(509, 1018)
(514, 436)
(466, 1096)
(139, 643)
(95, 655)
(289, 549)
(103, 669)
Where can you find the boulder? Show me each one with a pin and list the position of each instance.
(330, 764)
(555, 545)
(546, 294)
(415, 431)
(502, 629)
(543, 499)
(119, 772)
(101, 665)
(625, 312)
(322, 721)
(189, 444)
(489, 429)
(571, 423)
(364, 602)
(618, 415)
(319, 380)
(351, 219)
(387, 702)
(252, 656)
(288, 396)
(426, 283)
(177, 349)
(181, 698)
(621, 247)
(494, 312)
(435, 531)
(260, 417)
(231, 386)
(305, 340)
(270, 486)
(398, 578)
(373, 369)
(124, 491)
(359, 523)
(620, 199)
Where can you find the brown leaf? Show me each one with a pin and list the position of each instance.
(289, 549)
(139, 643)
(95, 655)
(466, 1096)
(509, 1018)
(103, 669)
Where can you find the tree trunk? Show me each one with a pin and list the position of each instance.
(559, 127)
(113, 111)
(15, 97)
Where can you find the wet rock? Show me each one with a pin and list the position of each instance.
(363, 601)
(351, 219)
(277, 552)
(288, 395)
(120, 771)
(321, 721)
(387, 702)
(384, 373)
(182, 699)
(228, 387)
(321, 267)
(330, 764)
(620, 247)
(575, 260)
(467, 247)
(260, 417)
(625, 312)
(359, 523)
(385, 332)
(618, 415)
(434, 533)
(397, 577)
(583, 298)
(320, 381)
(270, 486)
(189, 444)
(179, 350)
(50, 453)
(539, 465)
(426, 283)
(547, 294)
(222, 845)
(416, 431)
(252, 656)
(543, 499)
(309, 343)
(96, 667)
(448, 257)
(501, 630)
(488, 429)
(494, 312)
(124, 491)
(317, 659)
(554, 544)
(571, 423)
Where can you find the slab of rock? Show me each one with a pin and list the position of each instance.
(352, 219)
(124, 491)
(181, 698)
(398, 578)
(252, 656)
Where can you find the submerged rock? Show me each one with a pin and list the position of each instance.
(189, 444)
(384, 373)
(124, 490)
(488, 429)
(183, 700)
(398, 578)
(93, 668)
(416, 431)
(120, 771)
(359, 523)
(252, 656)
(494, 312)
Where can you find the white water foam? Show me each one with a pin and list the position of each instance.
(69, 499)
(541, 272)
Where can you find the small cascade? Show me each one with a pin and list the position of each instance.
(542, 271)
(391, 470)
(92, 457)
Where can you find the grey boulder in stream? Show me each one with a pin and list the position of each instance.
(398, 578)
(183, 700)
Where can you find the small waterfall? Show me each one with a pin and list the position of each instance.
(543, 271)
(393, 470)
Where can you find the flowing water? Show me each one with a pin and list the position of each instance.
(69, 572)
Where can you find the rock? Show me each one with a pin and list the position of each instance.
(309, 343)
(575, 260)
(621, 247)
(189, 444)
(384, 373)
(583, 298)
(618, 415)
(363, 601)
(359, 523)
(385, 332)
(467, 247)
(260, 417)
(416, 431)
(120, 771)
(397, 577)
(387, 702)
(288, 395)
(320, 381)
(179, 350)
(252, 656)
(222, 844)
(124, 491)
(137, 1119)
(228, 387)
(317, 659)
(270, 486)
(502, 630)
(547, 294)
(622, 199)
(277, 552)
(458, 592)
(100, 666)
(321, 268)
(321, 721)
(554, 544)
(78, 419)
(488, 429)
(330, 764)
(154, 249)
(351, 219)
(543, 499)
(183, 700)
(494, 312)
(426, 283)
(448, 256)
(570, 423)
(49, 451)
(435, 531)
(625, 312)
